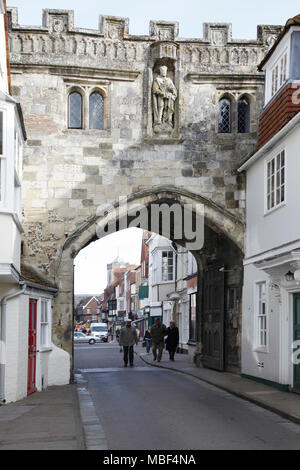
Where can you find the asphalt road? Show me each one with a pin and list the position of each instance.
(146, 408)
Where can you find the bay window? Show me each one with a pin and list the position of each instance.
(167, 266)
(279, 74)
(163, 266)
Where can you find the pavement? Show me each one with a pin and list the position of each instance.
(64, 418)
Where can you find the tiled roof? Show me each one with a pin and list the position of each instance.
(29, 276)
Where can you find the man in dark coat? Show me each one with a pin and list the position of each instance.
(158, 331)
(172, 339)
(128, 338)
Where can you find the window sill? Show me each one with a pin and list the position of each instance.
(45, 349)
(270, 211)
(103, 132)
(261, 350)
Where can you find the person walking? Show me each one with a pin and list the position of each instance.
(117, 335)
(148, 340)
(172, 339)
(158, 331)
(128, 338)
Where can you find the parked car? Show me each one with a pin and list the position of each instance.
(80, 337)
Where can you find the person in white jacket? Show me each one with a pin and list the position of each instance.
(128, 338)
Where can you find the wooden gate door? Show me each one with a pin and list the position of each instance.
(31, 386)
(213, 318)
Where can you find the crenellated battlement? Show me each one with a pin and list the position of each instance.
(58, 37)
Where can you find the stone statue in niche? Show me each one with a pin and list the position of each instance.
(164, 94)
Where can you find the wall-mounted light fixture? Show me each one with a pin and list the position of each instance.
(289, 276)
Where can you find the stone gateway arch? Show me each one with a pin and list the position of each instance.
(94, 135)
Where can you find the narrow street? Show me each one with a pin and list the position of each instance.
(147, 408)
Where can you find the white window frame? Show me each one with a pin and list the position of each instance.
(283, 69)
(278, 74)
(277, 187)
(261, 313)
(275, 79)
(156, 266)
(86, 90)
(162, 266)
(44, 325)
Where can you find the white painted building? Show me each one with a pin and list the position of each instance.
(28, 359)
(271, 297)
(173, 287)
(162, 272)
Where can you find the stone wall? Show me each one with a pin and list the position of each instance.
(69, 174)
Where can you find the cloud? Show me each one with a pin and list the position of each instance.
(90, 263)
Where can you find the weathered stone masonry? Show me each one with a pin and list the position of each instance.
(69, 173)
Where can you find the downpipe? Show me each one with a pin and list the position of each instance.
(3, 338)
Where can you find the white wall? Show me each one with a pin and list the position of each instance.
(10, 241)
(16, 348)
(282, 225)
(52, 364)
(251, 354)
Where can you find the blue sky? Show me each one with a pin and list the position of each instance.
(191, 14)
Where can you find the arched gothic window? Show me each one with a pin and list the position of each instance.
(224, 116)
(243, 116)
(75, 110)
(96, 111)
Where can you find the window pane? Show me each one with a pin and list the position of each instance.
(261, 311)
(75, 111)
(276, 181)
(283, 69)
(224, 116)
(243, 116)
(44, 335)
(96, 107)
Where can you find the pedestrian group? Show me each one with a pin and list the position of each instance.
(154, 337)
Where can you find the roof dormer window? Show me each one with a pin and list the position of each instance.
(279, 73)
(283, 71)
(274, 80)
